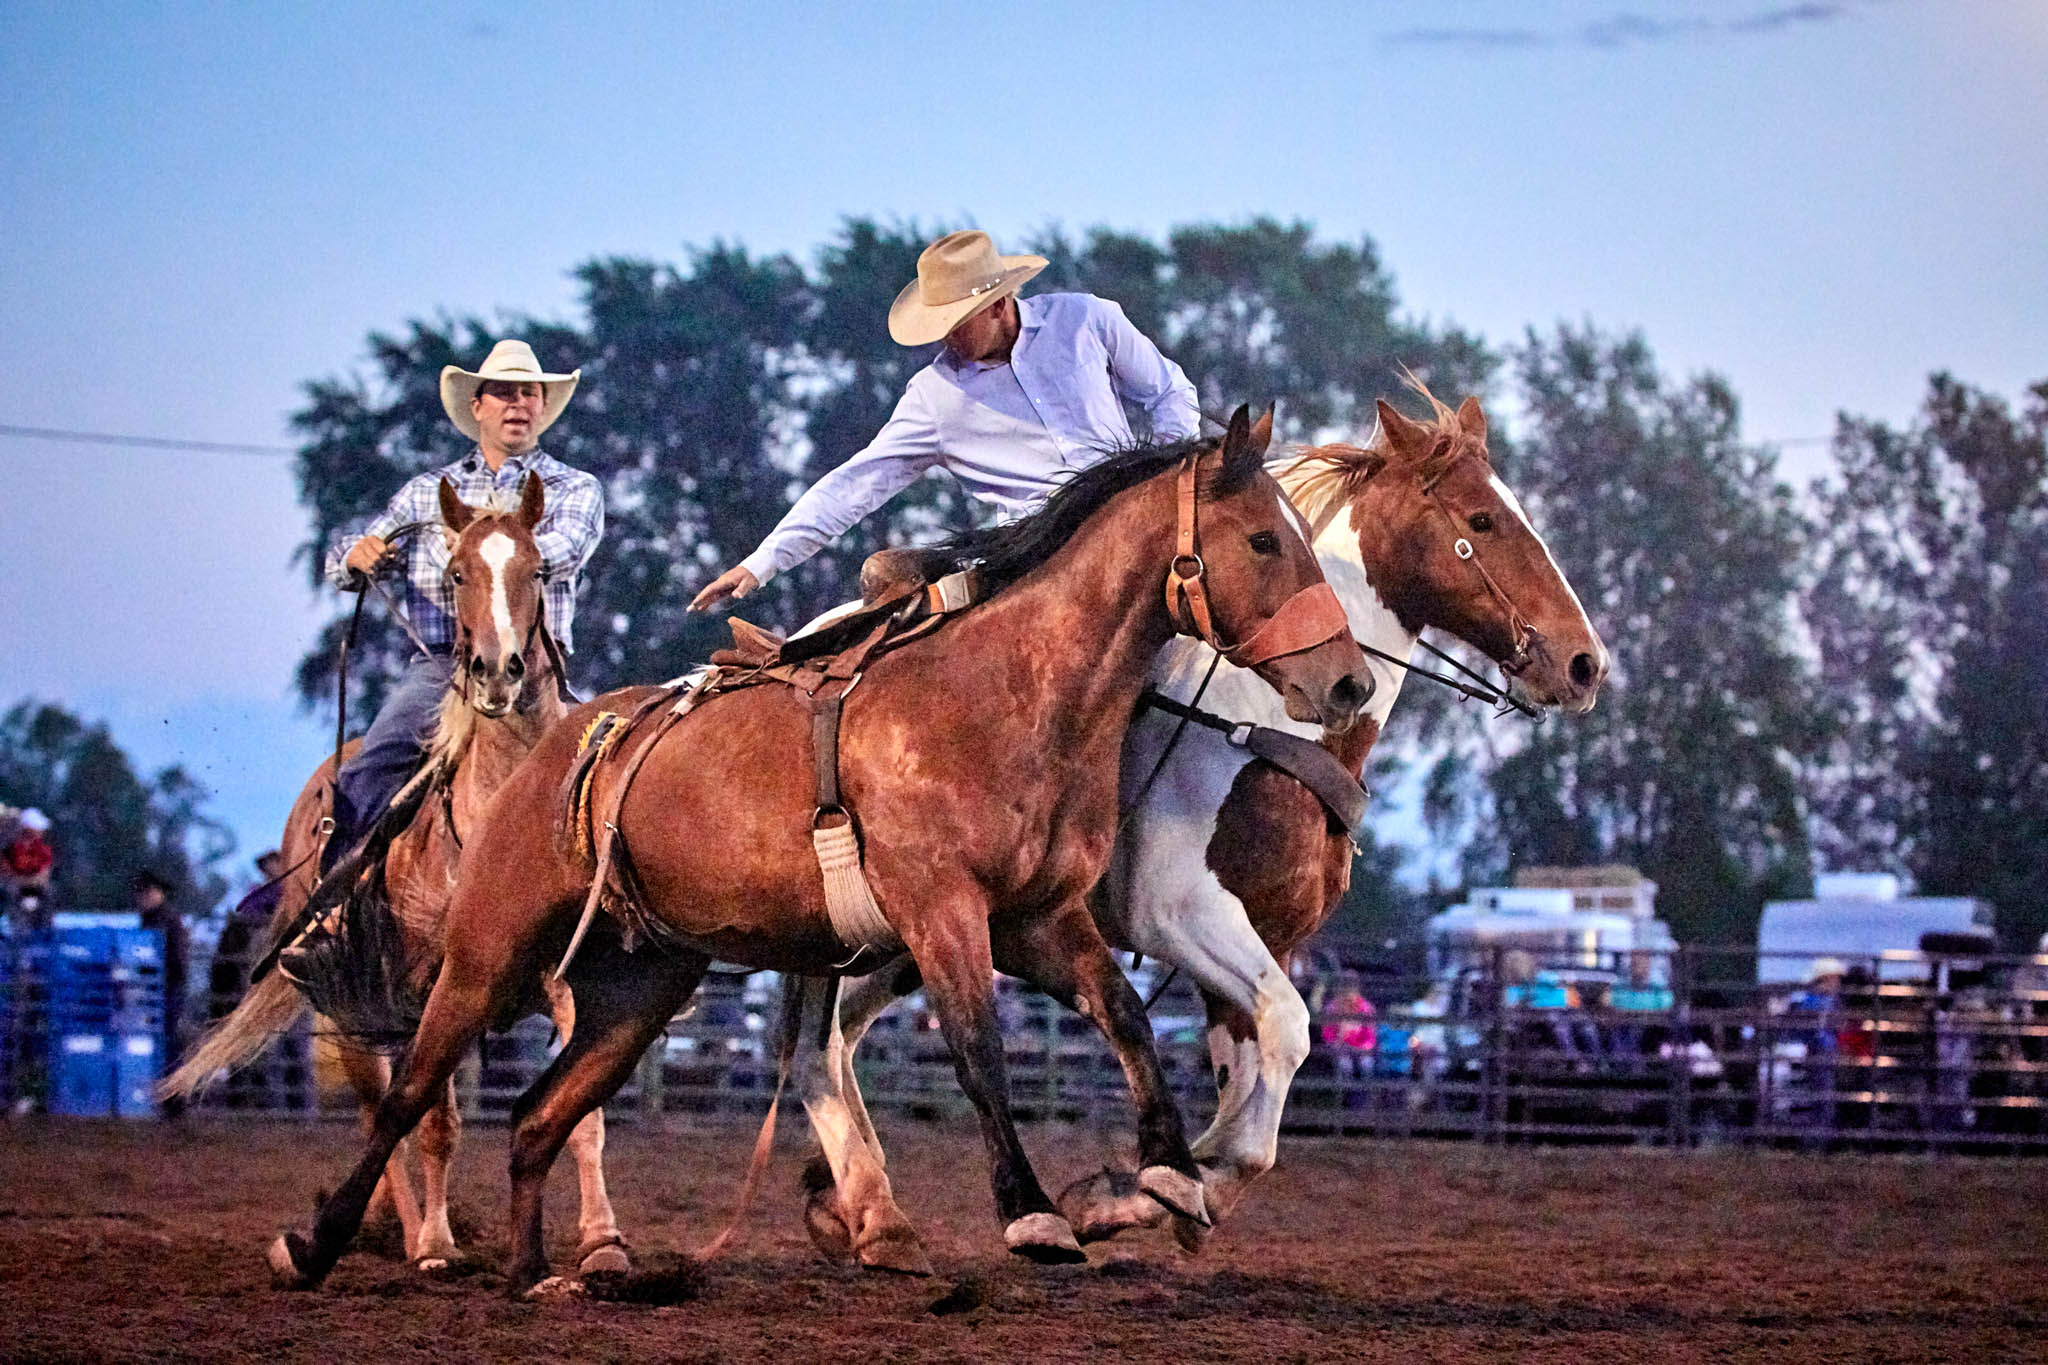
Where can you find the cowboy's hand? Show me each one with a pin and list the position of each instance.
(735, 582)
(366, 554)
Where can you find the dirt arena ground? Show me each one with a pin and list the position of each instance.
(143, 1242)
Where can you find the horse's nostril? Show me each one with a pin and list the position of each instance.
(515, 668)
(1584, 670)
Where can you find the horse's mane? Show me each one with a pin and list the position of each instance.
(1003, 554)
(1316, 478)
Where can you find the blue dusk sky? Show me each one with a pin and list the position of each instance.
(203, 206)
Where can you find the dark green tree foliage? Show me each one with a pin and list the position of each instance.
(713, 394)
(1929, 606)
(1685, 548)
(107, 822)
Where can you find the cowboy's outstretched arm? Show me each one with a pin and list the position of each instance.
(907, 445)
(1141, 373)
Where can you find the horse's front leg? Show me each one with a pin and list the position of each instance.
(599, 1243)
(949, 938)
(1062, 952)
(439, 1134)
(852, 1212)
(1258, 1038)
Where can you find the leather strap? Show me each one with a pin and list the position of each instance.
(1187, 600)
(1304, 621)
(825, 747)
(1316, 768)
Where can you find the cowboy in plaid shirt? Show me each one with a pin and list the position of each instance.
(504, 406)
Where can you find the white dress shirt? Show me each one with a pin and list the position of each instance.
(1010, 432)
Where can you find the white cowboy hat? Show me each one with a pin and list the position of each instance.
(35, 820)
(513, 362)
(957, 277)
(1824, 967)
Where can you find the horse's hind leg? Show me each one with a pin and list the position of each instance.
(833, 1212)
(857, 1215)
(1063, 953)
(623, 1003)
(599, 1243)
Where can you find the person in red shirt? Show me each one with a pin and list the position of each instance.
(28, 860)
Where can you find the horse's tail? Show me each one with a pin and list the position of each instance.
(271, 1006)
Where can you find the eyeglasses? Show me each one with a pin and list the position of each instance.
(510, 393)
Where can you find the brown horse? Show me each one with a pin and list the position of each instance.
(501, 696)
(1228, 864)
(981, 763)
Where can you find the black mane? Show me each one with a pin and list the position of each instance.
(1003, 554)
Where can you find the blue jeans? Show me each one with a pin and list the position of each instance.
(392, 748)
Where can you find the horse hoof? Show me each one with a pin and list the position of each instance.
(829, 1233)
(1182, 1194)
(553, 1287)
(1190, 1235)
(284, 1266)
(606, 1255)
(1045, 1238)
(1101, 1205)
(897, 1251)
(433, 1265)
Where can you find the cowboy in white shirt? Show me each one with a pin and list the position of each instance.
(1025, 392)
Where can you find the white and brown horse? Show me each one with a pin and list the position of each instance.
(1229, 865)
(502, 694)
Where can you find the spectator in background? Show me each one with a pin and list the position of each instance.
(1350, 1032)
(29, 860)
(153, 903)
(234, 952)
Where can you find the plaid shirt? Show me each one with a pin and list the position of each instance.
(567, 536)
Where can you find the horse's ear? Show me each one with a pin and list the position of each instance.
(1471, 420)
(1240, 455)
(455, 513)
(1403, 435)
(1262, 433)
(532, 502)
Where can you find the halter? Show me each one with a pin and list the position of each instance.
(1305, 620)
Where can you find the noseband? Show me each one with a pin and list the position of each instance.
(1305, 620)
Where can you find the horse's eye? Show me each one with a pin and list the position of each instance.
(455, 577)
(1482, 522)
(1265, 543)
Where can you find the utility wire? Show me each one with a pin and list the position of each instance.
(150, 442)
(234, 448)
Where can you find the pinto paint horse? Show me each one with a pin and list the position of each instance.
(1229, 864)
(503, 693)
(980, 762)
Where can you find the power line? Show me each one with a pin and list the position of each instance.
(235, 448)
(149, 442)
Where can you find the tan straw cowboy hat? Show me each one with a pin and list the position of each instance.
(957, 277)
(513, 362)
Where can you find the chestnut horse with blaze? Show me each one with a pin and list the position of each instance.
(502, 694)
(981, 763)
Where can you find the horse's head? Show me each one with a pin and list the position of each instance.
(1246, 582)
(1446, 544)
(496, 570)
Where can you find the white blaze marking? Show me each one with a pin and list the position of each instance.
(1507, 496)
(497, 551)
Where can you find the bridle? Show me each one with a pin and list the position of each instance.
(1523, 631)
(1309, 618)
